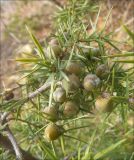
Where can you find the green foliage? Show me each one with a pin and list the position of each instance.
(102, 133)
(129, 32)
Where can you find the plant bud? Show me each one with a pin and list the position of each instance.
(91, 81)
(70, 109)
(52, 132)
(59, 95)
(8, 95)
(130, 120)
(102, 70)
(104, 104)
(73, 68)
(50, 113)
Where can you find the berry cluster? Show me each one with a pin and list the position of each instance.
(76, 89)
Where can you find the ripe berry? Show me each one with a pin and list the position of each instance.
(73, 68)
(104, 104)
(59, 95)
(52, 132)
(102, 70)
(51, 113)
(8, 95)
(91, 81)
(70, 109)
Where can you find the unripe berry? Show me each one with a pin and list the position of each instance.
(52, 132)
(95, 52)
(70, 109)
(91, 81)
(59, 95)
(102, 70)
(104, 104)
(57, 50)
(73, 68)
(92, 53)
(50, 113)
(129, 145)
(130, 120)
(131, 102)
(74, 82)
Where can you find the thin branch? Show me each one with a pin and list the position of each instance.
(14, 143)
(39, 90)
(6, 144)
(9, 142)
(11, 136)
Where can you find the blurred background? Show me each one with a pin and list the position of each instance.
(39, 16)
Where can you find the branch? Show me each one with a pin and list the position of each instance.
(9, 142)
(6, 144)
(39, 90)
(14, 143)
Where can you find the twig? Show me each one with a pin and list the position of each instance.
(10, 142)
(11, 136)
(14, 143)
(39, 90)
(6, 144)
